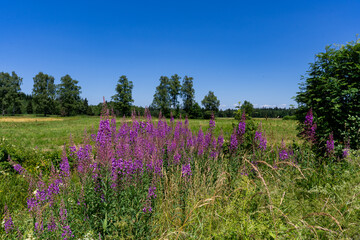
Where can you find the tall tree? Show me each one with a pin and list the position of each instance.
(123, 97)
(174, 90)
(69, 96)
(188, 94)
(44, 93)
(162, 97)
(210, 102)
(9, 90)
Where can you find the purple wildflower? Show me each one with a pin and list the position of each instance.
(177, 158)
(283, 154)
(64, 165)
(186, 171)
(220, 140)
(260, 140)
(52, 225)
(19, 169)
(330, 145)
(346, 150)
(67, 233)
(9, 225)
(242, 127)
(233, 142)
(39, 227)
(309, 127)
(151, 192)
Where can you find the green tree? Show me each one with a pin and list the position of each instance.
(197, 112)
(332, 90)
(44, 93)
(174, 90)
(69, 96)
(123, 98)
(85, 108)
(248, 108)
(162, 97)
(187, 93)
(210, 102)
(9, 90)
(29, 107)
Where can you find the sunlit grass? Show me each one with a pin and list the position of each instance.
(51, 133)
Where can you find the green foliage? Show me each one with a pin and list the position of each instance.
(69, 96)
(273, 112)
(210, 102)
(123, 97)
(188, 94)
(161, 97)
(332, 90)
(174, 90)
(196, 111)
(44, 93)
(9, 91)
(247, 107)
(287, 117)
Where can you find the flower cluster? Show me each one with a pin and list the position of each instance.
(309, 127)
(260, 140)
(283, 153)
(9, 225)
(330, 145)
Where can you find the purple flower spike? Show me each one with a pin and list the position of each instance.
(233, 142)
(64, 166)
(309, 127)
(283, 154)
(260, 140)
(19, 169)
(330, 145)
(186, 171)
(9, 225)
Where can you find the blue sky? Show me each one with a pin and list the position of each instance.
(241, 50)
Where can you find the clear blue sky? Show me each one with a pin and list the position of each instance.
(241, 50)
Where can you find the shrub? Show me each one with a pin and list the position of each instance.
(287, 117)
(332, 90)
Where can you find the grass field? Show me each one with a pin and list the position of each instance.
(51, 133)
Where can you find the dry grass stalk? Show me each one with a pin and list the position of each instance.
(325, 214)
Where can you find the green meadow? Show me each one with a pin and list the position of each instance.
(51, 133)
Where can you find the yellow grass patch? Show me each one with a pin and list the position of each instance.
(20, 119)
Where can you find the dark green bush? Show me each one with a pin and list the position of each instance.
(332, 90)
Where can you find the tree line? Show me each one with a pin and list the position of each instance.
(46, 97)
(64, 99)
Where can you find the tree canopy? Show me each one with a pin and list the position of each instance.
(210, 102)
(123, 97)
(44, 91)
(69, 96)
(161, 97)
(174, 90)
(188, 94)
(9, 90)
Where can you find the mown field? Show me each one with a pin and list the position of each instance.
(147, 180)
